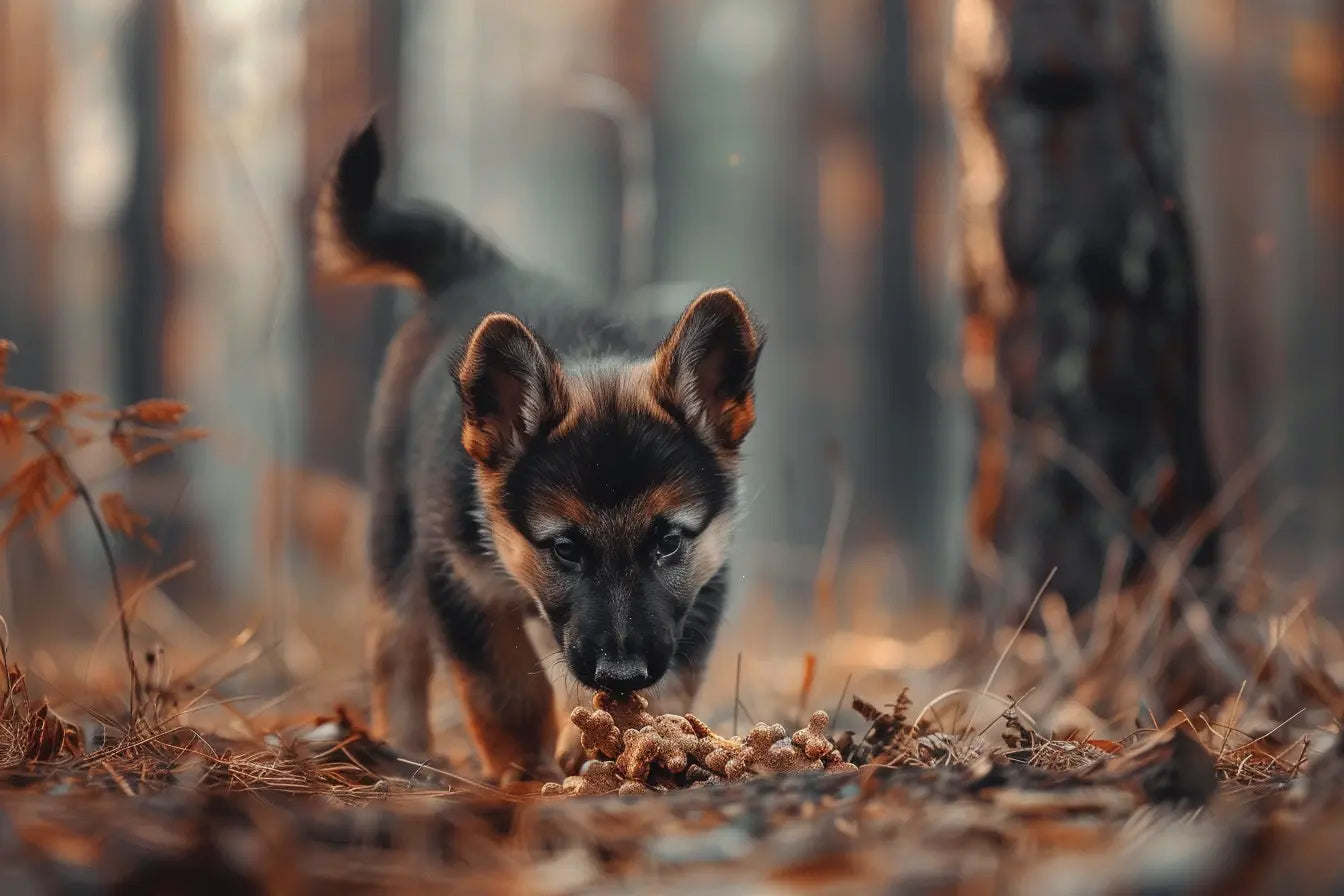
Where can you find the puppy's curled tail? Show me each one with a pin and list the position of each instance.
(359, 237)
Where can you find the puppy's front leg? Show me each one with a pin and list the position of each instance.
(506, 695)
(401, 664)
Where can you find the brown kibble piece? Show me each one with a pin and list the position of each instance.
(736, 767)
(635, 752)
(714, 751)
(700, 729)
(598, 732)
(764, 735)
(724, 756)
(641, 749)
(768, 751)
(596, 779)
(677, 741)
(630, 711)
(834, 763)
(782, 757)
(812, 740)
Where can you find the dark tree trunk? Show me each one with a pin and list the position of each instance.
(29, 222)
(1082, 334)
(28, 212)
(352, 46)
(153, 93)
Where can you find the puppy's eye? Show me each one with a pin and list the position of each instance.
(668, 546)
(567, 553)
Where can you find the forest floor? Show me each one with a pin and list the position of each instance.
(1135, 747)
(1227, 778)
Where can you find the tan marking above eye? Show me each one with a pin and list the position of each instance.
(558, 505)
(672, 497)
(546, 527)
(691, 517)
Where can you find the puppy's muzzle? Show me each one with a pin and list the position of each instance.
(623, 675)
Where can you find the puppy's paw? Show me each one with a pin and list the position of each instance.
(572, 759)
(570, 754)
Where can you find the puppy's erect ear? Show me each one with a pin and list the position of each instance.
(511, 389)
(705, 368)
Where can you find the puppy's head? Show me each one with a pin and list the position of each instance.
(609, 487)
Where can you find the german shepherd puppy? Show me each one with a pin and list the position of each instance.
(551, 469)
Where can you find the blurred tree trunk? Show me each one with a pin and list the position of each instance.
(1309, 120)
(351, 47)
(28, 214)
(153, 93)
(147, 50)
(865, 130)
(29, 220)
(736, 174)
(231, 132)
(1268, 211)
(1082, 337)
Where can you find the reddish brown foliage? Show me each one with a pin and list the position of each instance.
(122, 519)
(40, 489)
(156, 412)
(30, 731)
(43, 485)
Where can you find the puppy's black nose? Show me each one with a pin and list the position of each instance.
(622, 675)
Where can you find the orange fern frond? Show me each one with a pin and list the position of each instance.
(71, 399)
(31, 476)
(30, 488)
(42, 487)
(157, 412)
(11, 430)
(122, 519)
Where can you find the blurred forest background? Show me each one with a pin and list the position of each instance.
(158, 161)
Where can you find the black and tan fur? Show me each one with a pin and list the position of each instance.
(553, 470)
